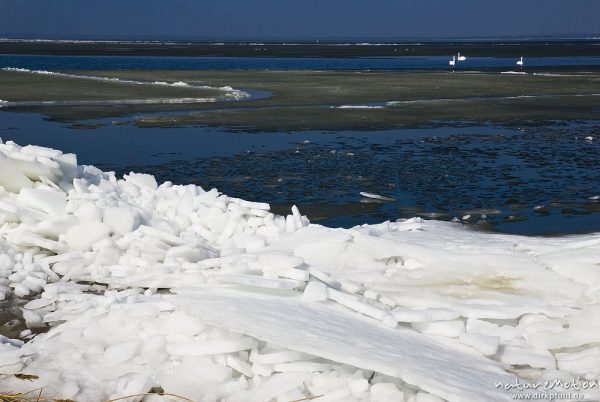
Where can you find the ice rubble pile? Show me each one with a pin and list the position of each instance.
(202, 295)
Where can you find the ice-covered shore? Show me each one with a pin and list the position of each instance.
(174, 288)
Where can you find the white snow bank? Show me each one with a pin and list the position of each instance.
(216, 298)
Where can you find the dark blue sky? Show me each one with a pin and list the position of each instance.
(289, 19)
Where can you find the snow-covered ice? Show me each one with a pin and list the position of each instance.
(148, 286)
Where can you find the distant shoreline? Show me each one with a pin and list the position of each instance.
(492, 48)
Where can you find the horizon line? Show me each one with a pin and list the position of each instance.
(299, 40)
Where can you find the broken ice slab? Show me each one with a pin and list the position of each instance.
(327, 331)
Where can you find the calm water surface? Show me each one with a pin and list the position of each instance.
(53, 63)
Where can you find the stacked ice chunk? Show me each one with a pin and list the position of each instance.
(150, 286)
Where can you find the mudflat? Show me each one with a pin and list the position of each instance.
(313, 100)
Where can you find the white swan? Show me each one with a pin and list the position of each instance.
(453, 61)
(520, 62)
(461, 58)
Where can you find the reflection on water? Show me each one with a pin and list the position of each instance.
(529, 181)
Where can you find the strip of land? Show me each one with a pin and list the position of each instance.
(318, 100)
(25, 86)
(540, 48)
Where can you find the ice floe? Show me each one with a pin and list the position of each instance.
(133, 285)
(359, 107)
(376, 196)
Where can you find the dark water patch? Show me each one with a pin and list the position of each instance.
(528, 180)
(319, 212)
(84, 126)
